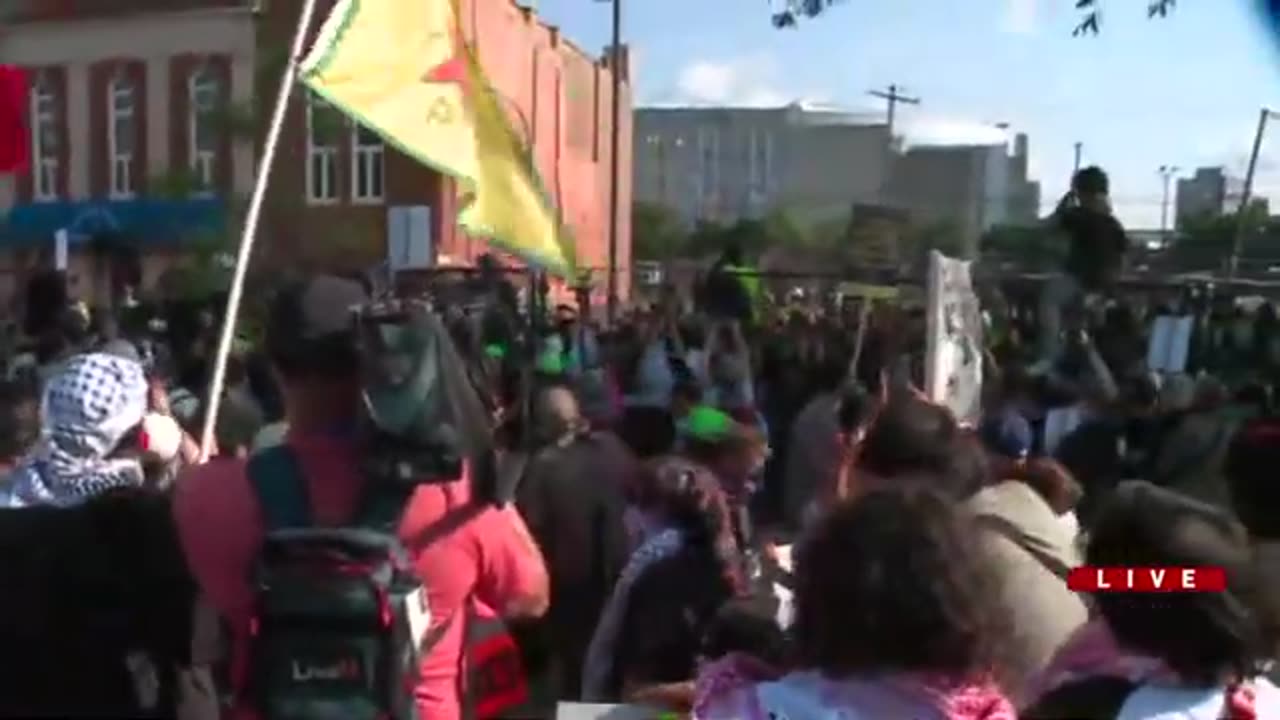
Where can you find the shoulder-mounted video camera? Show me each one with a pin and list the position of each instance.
(421, 418)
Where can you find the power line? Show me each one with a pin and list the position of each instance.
(893, 97)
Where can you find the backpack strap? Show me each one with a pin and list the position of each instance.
(1010, 532)
(277, 480)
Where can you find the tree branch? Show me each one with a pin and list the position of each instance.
(1090, 20)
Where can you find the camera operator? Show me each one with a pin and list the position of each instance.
(1096, 246)
(488, 558)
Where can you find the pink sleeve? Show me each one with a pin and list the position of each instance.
(220, 528)
(510, 565)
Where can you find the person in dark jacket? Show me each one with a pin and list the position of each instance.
(571, 496)
(97, 604)
(1096, 246)
(725, 294)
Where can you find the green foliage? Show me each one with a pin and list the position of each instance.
(1091, 21)
(1030, 248)
(240, 120)
(173, 185)
(656, 232)
(1207, 241)
(783, 228)
(945, 236)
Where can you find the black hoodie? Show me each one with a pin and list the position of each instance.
(1097, 244)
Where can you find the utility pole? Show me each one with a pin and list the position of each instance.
(1079, 150)
(615, 113)
(1242, 213)
(1166, 174)
(892, 96)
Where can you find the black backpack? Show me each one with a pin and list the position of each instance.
(341, 619)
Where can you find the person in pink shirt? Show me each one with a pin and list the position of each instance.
(488, 560)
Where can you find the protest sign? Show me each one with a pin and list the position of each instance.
(1170, 343)
(953, 362)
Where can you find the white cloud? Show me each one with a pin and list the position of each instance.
(1021, 16)
(743, 81)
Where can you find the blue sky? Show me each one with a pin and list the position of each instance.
(1181, 91)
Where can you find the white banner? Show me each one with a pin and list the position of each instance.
(953, 363)
(61, 249)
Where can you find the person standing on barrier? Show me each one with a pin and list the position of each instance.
(1096, 246)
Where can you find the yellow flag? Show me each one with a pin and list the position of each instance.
(402, 69)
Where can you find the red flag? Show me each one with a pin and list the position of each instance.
(15, 138)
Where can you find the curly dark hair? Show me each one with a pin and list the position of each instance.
(690, 498)
(894, 581)
(1204, 637)
(911, 436)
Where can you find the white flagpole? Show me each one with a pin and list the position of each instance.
(247, 236)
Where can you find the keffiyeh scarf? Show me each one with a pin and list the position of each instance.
(88, 407)
(729, 689)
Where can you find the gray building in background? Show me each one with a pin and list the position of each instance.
(1210, 191)
(722, 164)
(972, 187)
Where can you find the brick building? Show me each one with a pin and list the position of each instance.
(128, 94)
(126, 99)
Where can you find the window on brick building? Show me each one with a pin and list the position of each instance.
(203, 91)
(324, 132)
(367, 165)
(44, 140)
(122, 133)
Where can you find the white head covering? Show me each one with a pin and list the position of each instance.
(89, 406)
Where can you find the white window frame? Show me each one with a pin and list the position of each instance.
(44, 166)
(326, 156)
(203, 161)
(372, 158)
(120, 164)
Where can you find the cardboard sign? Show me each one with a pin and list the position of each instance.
(953, 369)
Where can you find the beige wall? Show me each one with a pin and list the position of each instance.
(153, 37)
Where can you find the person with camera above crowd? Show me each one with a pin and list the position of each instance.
(1096, 246)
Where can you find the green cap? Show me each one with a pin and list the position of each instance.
(706, 423)
(551, 361)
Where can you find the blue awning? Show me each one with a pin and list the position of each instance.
(145, 223)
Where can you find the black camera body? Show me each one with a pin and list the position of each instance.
(422, 420)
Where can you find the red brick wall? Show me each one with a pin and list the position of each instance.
(564, 93)
(533, 68)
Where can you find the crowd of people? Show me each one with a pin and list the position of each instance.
(729, 513)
